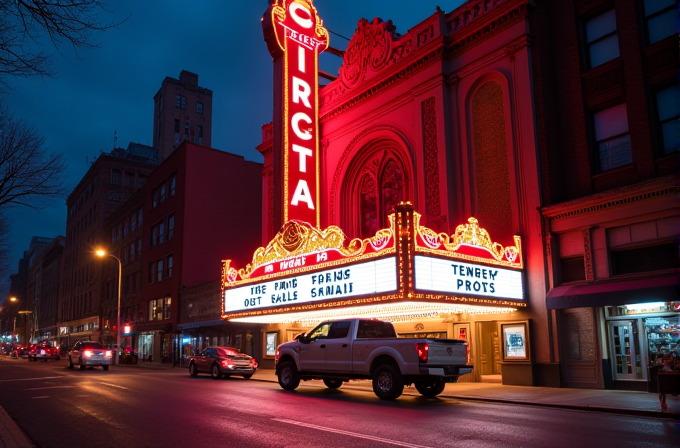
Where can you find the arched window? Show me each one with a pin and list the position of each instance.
(369, 209)
(381, 188)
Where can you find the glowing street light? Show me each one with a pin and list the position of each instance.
(102, 253)
(25, 313)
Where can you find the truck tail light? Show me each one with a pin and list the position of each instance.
(422, 348)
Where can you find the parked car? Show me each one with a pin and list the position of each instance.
(222, 362)
(43, 350)
(89, 354)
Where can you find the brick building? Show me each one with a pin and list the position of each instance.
(124, 230)
(607, 107)
(46, 310)
(182, 111)
(109, 182)
(199, 204)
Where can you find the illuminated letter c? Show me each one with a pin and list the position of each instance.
(304, 23)
(295, 124)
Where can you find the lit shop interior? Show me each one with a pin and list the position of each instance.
(639, 336)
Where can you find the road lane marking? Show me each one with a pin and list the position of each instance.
(41, 397)
(115, 385)
(50, 387)
(34, 379)
(349, 433)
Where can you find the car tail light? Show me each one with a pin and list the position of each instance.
(109, 353)
(87, 353)
(276, 358)
(422, 348)
(228, 363)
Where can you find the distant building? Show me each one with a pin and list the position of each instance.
(182, 111)
(46, 310)
(25, 286)
(111, 180)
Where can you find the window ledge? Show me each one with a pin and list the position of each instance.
(622, 169)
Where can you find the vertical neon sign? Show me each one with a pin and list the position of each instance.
(298, 37)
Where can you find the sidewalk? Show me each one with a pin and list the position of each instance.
(641, 404)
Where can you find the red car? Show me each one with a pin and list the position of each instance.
(43, 350)
(222, 362)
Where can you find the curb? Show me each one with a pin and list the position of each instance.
(633, 412)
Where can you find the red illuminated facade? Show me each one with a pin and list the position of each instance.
(515, 113)
(441, 117)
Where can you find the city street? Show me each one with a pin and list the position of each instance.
(136, 407)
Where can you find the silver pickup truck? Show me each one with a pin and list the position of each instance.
(338, 351)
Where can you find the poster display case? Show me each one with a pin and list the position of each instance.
(515, 337)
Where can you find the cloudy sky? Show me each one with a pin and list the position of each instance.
(110, 89)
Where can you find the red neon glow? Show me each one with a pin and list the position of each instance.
(301, 36)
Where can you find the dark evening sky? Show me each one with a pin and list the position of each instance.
(111, 88)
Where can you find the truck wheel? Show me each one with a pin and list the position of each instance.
(332, 384)
(289, 379)
(430, 388)
(387, 382)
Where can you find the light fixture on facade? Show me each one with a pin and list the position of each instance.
(646, 306)
(395, 312)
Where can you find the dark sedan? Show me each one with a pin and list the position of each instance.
(222, 362)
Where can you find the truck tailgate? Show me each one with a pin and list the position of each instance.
(446, 352)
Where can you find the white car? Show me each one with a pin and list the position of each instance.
(89, 354)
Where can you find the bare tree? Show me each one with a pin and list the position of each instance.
(29, 176)
(24, 23)
(5, 247)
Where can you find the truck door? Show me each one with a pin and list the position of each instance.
(313, 353)
(338, 355)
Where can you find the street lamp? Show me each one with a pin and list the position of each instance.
(25, 313)
(102, 253)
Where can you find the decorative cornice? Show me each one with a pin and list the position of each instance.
(377, 88)
(499, 13)
(657, 187)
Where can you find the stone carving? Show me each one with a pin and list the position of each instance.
(370, 48)
(432, 200)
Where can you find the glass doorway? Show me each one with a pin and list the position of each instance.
(623, 350)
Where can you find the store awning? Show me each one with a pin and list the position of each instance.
(627, 292)
(203, 323)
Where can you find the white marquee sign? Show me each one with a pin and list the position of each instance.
(373, 277)
(467, 279)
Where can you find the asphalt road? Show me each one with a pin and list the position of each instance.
(133, 407)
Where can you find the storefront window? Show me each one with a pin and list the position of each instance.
(663, 338)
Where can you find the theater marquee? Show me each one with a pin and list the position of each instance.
(406, 265)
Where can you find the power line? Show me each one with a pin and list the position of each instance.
(339, 35)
